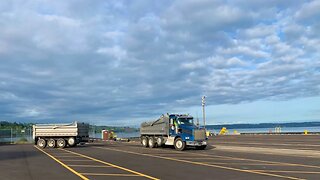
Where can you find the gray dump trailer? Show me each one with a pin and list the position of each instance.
(60, 135)
(173, 129)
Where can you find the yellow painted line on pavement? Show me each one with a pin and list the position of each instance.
(64, 165)
(271, 162)
(165, 153)
(102, 174)
(277, 154)
(113, 165)
(272, 144)
(79, 165)
(243, 159)
(294, 172)
(213, 158)
(203, 164)
(76, 160)
(173, 155)
(245, 164)
(67, 156)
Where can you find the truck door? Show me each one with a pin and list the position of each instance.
(173, 126)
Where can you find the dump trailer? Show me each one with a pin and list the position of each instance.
(173, 129)
(60, 135)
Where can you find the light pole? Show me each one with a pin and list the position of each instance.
(203, 111)
(198, 121)
(11, 139)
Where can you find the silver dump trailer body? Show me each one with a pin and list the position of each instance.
(157, 127)
(60, 135)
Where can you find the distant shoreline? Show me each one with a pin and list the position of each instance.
(14, 125)
(264, 125)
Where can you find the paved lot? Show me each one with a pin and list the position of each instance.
(229, 157)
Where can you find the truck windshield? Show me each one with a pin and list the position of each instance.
(186, 121)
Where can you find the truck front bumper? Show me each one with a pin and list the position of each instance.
(196, 143)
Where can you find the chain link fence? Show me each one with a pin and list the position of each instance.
(16, 135)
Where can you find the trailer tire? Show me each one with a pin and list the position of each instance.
(61, 143)
(51, 143)
(41, 143)
(179, 144)
(72, 141)
(151, 142)
(144, 141)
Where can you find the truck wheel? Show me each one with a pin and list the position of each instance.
(179, 144)
(151, 142)
(61, 143)
(201, 147)
(51, 143)
(160, 141)
(71, 141)
(41, 143)
(144, 141)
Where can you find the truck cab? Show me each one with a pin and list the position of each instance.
(178, 130)
(182, 127)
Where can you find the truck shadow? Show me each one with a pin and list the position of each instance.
(165, 147)
(194, 149)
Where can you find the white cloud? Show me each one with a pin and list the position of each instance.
(115, 51)
(309, 11)
(243, 50)
(259, 31)
(32, 112)
(96, 60)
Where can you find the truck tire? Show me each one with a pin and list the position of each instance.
(179, 144)
(71, 141)
(160, 141)
(151, 142)
(41, 143)
(61, 143)
(201, 147)
(51, 143)
(144, 141)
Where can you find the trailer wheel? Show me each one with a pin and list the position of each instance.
(51, 143)
(61, 143)
(179, 144)
(144, 141)
(41, 143)
(151, 142)
(71, 141)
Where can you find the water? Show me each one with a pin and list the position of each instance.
(231, 131)
(267, 130)
(137, 134)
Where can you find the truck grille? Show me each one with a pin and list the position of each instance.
(199, 134)
(187, 131)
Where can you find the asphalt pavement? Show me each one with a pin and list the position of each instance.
(227, 157)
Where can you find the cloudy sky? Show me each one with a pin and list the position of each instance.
(122, 62)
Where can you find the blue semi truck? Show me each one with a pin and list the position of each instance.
(178, 130)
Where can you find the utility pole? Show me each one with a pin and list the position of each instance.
(198, 121)
(94, 131)
(11, 136)
(203, 111)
